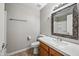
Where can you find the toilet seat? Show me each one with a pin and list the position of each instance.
(35, 44)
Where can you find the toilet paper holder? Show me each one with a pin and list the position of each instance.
(29, 38)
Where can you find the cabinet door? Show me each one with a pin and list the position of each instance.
(42, 52)
(44, 46)
(54, 52)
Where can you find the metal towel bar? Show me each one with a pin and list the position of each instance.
(18, 20)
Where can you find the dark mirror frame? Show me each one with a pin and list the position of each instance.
(75, 24)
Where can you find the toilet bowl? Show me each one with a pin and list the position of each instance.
(35, 45)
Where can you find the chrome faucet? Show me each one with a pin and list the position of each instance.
(59, 39)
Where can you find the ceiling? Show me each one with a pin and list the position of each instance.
(40, 5)
(33, 5)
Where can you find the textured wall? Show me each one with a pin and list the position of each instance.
(18, 31)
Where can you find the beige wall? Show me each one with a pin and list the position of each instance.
(2, 23)
(19, 31)
(45, 22)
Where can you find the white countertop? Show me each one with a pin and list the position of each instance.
(66, 48)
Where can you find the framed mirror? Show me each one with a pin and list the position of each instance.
(65, 22)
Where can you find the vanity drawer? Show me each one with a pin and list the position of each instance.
(44, 46)
(54, 52)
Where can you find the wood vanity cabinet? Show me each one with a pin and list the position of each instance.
(45, 50)
(53, 52)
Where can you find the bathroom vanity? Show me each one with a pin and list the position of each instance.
(45, 50)
(53, 47)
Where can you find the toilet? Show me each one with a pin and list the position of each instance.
(35, 45)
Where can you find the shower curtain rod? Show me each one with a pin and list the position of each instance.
(18, 20)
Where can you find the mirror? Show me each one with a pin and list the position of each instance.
(65, 22)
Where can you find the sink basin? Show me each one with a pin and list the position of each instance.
(60, 44)
(63, 44)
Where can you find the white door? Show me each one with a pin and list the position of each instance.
(3, 33)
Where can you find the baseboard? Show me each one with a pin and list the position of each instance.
(12, 53)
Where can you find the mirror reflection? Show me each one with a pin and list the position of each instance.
(63, 22)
